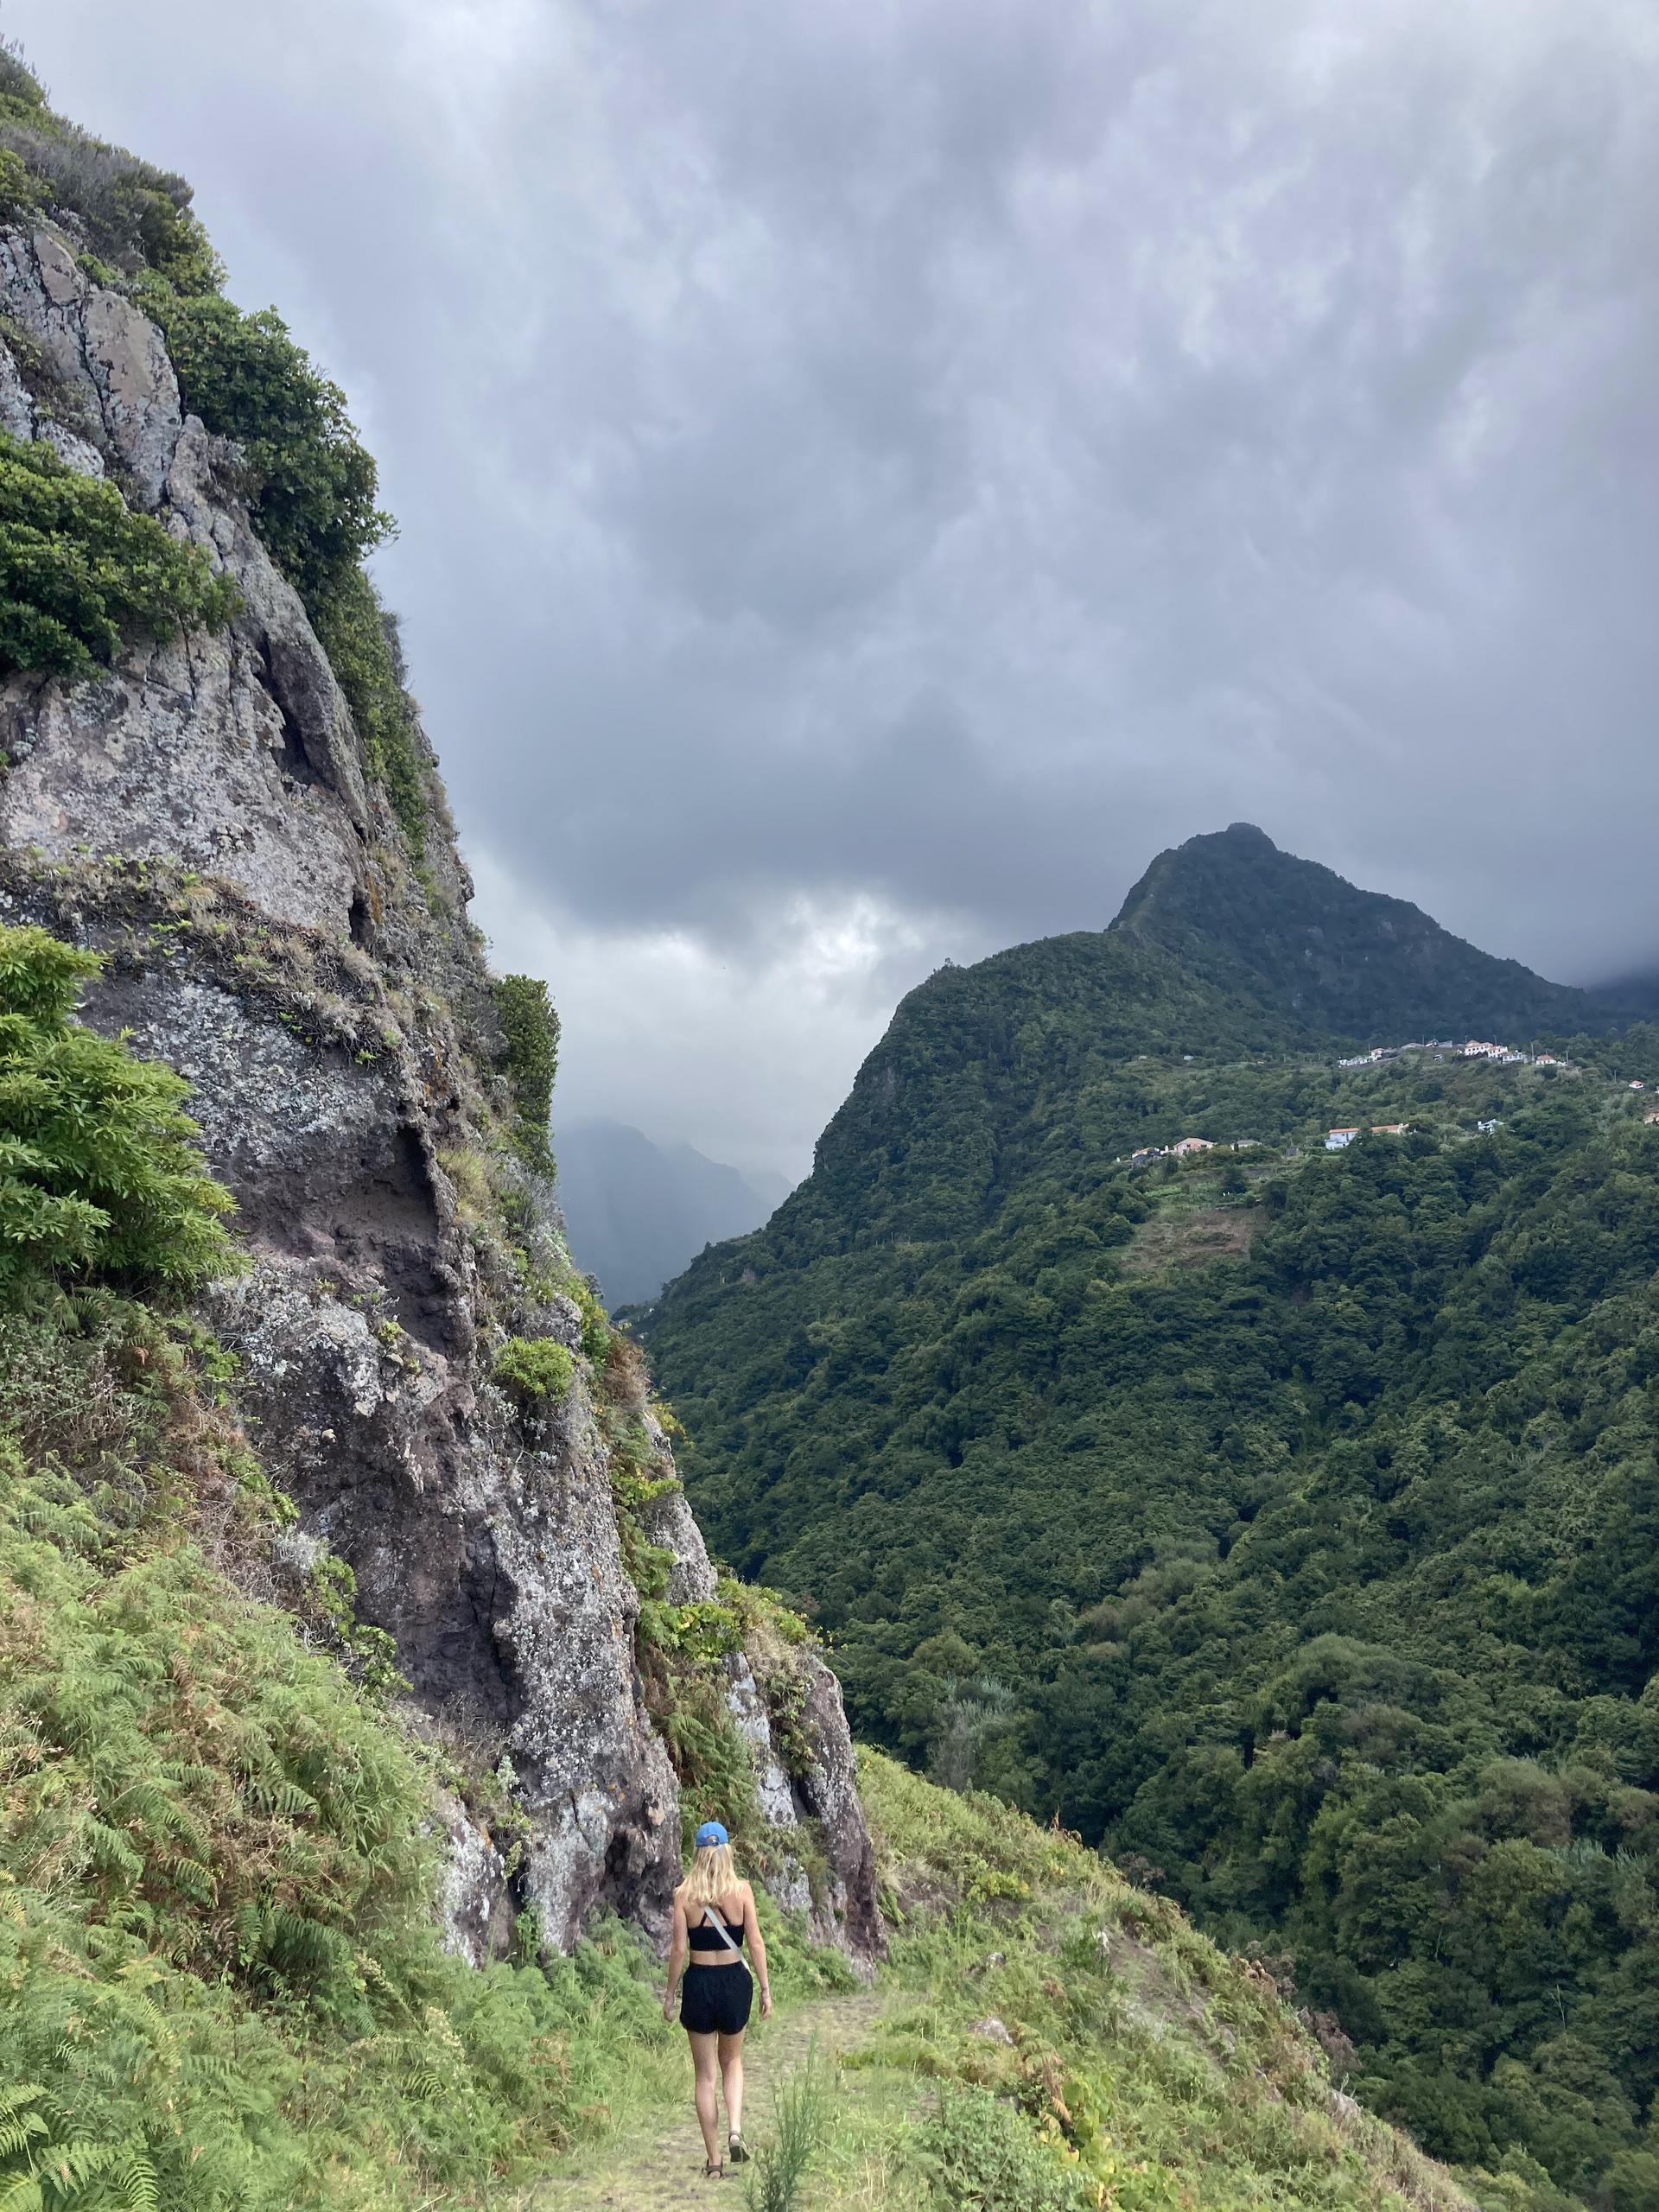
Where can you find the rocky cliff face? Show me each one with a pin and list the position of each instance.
(204, 816)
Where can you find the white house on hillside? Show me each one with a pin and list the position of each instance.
(1340, 1139)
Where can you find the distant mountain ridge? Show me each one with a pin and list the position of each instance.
(637, 1212)
(1636, 996)
(1226, 947)
(1239, 914)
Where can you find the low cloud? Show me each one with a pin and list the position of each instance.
(734, 1049)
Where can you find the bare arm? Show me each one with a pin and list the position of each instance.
(757, 1950)
(675, 1958)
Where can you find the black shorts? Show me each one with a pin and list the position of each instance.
(716, 2000)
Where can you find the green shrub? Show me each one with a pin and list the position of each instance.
(979, 2156)
(315, 484)
(371, 1653)
(535, 1370)
(531, 1029)
(703, 1632)
(131, 213)
(133, 216)
(77, 569)
(99, 1175)
(19, 194)
(597, 1335)
(22, 95)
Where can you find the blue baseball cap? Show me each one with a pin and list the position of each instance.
(711, 1831)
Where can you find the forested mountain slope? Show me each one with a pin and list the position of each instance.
(1263, 925)
(1288, 1519)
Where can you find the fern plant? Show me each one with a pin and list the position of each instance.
(99, 1175)
(220, 1977)
(44, 2162)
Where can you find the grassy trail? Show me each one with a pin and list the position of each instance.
(658, 2168)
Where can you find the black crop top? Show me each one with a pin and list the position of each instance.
(703, 1937)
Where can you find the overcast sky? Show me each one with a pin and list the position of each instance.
(872, 473)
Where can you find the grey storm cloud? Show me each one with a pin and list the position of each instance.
(932, 453)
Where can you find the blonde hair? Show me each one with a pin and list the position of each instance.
(712, 1875)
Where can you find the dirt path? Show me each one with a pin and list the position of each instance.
(662, 2170)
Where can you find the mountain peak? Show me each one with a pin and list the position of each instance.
(1256, 921)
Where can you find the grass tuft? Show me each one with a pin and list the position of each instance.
(800, 2124)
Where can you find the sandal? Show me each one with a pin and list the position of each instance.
(738, 2151)
(714, 2170)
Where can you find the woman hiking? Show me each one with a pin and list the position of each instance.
(714, 1917)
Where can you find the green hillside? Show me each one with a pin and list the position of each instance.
(1286, 1519)
(1227, 949)
(1262, 925)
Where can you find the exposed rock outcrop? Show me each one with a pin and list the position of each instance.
(231, 753)
(204, 816)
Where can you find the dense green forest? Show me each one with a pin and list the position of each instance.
(1261, 924)
(1287, 1521)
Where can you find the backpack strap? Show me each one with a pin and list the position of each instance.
(720, 1929)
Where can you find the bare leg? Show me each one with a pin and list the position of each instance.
(731, 2074)
(703, 2058)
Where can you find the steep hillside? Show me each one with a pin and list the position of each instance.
(1031, 1980)
(637, 1212)
(1045, 2038)
(1280, 1517)
(1261, 924)
(1227, 949)
(978, 1070)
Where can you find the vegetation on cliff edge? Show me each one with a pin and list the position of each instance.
(80, 571)
(311, 483)
(100, 1178)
